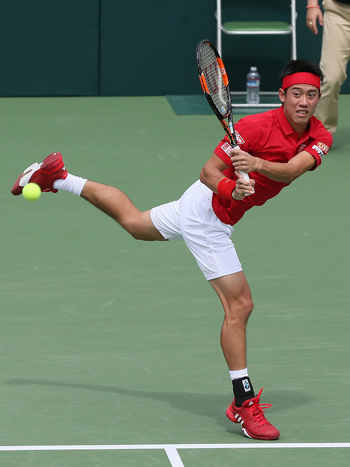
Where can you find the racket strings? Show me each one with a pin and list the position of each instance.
(213, 77)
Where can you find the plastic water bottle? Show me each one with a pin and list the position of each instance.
(253, 86)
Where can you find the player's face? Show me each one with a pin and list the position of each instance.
(299, 103)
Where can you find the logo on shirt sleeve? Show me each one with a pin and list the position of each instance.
(225, 147)
(239, 138)
(321, 148)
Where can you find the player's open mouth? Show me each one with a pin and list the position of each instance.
(302, 112)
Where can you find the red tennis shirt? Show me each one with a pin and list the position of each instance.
(269, 136)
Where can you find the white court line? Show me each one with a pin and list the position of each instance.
(172, 447)
(174, 457)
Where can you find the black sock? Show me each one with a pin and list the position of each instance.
(243, 390)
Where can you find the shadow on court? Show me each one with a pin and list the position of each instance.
(207, 405)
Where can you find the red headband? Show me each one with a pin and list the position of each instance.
(301, 78)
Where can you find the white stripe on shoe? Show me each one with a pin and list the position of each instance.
(27, 175)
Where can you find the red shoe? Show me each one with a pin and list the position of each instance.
(252, 418)
(44, 174)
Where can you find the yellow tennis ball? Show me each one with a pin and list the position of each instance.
(31, 191)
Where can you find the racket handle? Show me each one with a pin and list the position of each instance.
(245, 176)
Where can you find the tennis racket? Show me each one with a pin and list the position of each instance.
(214, 82)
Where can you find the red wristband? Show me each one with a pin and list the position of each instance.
(226, 187)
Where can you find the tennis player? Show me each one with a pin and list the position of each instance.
(276, 147)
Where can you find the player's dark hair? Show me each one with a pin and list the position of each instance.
(301, 66)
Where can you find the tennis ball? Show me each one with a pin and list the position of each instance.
(31, 191)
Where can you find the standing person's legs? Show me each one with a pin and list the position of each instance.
(335, 56)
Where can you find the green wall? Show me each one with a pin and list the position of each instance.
(49, 47)
(131, 47)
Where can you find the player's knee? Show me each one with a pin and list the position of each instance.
(247, 306)
(240, 310)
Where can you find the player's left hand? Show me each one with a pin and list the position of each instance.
(243, 187)
(243, 161)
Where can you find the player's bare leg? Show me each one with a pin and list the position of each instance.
(51, 175)
(234, 293)
(119, 206)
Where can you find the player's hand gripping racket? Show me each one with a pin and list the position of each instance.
(214, 81)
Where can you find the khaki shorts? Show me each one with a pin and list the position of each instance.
(192, 219)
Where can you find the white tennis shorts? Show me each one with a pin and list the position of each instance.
(192, 219)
